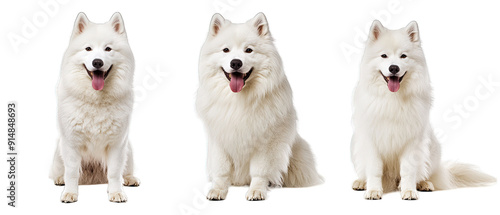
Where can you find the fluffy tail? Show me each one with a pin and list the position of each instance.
(453, 175)
(302, 168)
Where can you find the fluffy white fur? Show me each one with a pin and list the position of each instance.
(252, 134)
(393, 144)
(93, 146)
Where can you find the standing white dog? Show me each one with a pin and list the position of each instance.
(95, 100)
(393, 143)
(245, 101)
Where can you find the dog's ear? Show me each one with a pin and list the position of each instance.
(81, 24)
(117, 23)
(216, 24)
(376, 29)
(259, 21)
(413, 32)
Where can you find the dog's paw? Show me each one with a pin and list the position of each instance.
(117, 197)
(359, 185)
(216, 194)
(373, 194)
(69, 197)
(131, 181)
(59, 181)
(256, 194)
(425, 186)
(409, 195)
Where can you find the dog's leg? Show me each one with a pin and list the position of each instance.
(411, 161)
(72, 164)
(432, 166)
(267, 166)
(128, 176)
(359, 164)
(57, 170)
(219, 170)
(258, 189)
(116, 164)
(369, 167)
(374, 171)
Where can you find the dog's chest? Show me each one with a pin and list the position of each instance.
(97, 123)
(392, 122)
(241, 126)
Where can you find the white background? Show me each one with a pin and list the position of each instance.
(460, 40)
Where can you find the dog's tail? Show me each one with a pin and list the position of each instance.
(453, 175)
(302, 167)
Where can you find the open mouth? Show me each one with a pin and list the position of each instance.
(393, 82)
(237, 79)
(98, 77)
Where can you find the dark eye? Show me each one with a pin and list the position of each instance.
(226, 50)
(248, 50)
(383, 56)
(108, 49)
(88, 49)
(403, 56)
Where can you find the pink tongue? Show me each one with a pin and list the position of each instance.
(98, 80)
(393, 83)
(237, 82)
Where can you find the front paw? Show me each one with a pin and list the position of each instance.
(373, 194)
(256, 194)
(69, 197)
(409, 195)
(216, 194)
(117, 197)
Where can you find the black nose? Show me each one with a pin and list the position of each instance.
(236, 64)
(97, 63)
(394, 69)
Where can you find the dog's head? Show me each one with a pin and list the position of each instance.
(96, 51)
(393, 54)
(238, 54)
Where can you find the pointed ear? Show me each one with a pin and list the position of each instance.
(376, 29)
(117, 23)
(259, 21)
(413, 32)
(216, 24)
(81, 24)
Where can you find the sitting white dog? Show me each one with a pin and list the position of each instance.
(393, 143)
(245, 101)
(95, 100)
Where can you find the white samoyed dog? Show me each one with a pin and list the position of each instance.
(393, 145)
(245, 102)
(95, 100)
